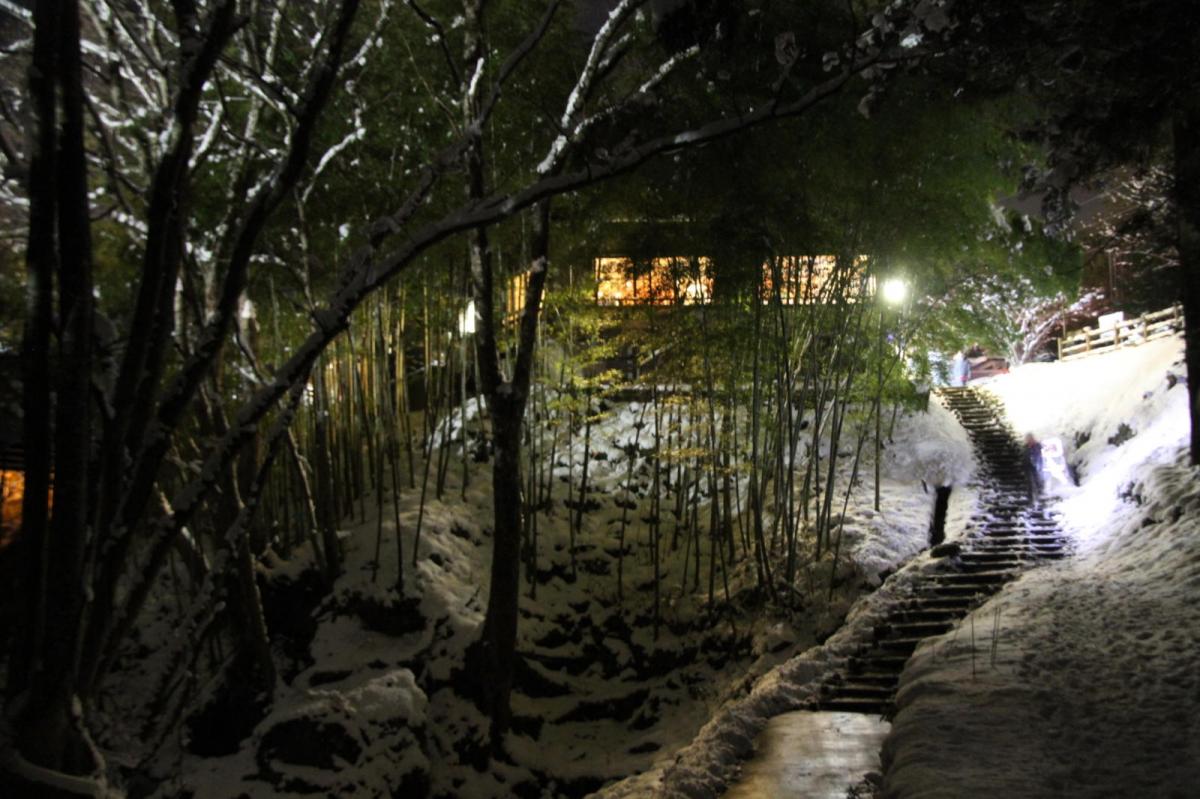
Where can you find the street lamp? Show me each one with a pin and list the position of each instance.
(894, 291)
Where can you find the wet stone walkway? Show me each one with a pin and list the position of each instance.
(799, 751)
(812, 755)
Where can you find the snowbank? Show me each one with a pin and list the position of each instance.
(931, 447)
(1077, 679)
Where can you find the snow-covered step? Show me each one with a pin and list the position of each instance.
(861, 690)
(963, 590)
(938, 604)
(876, 662)
(853, 706)
(920, 629)
(931, 617)
(899, 645)
(1001, 538)
(1009, 565)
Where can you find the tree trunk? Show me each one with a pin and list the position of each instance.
(499, 638)
(1187, 199)
(494, 655)
(326, 504)
(41, 266)
(51, 729)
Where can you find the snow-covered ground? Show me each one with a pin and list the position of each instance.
(1080, 678)
(369, 708)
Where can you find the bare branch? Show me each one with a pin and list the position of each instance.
(440, 32)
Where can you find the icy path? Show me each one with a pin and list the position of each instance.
(812, 755)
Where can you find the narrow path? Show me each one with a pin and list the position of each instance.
(1007, 535)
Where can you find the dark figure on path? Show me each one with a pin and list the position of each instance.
(1033, 466)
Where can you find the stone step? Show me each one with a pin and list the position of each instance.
(876, 662)
(1036, 556)
(1025, 516)
(989, 561)
(1018, 548)
(1035, 539)
(1020, 536)
(898, 645)
(930, 619)
(864, 706)
(977, 556)
(991, 577)
(880, 679)
(920, 629)
(1008, 564)
(939, 604)
(963, 590)
(857, 690)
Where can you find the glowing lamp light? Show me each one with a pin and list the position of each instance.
(466, 320)
(894, 291)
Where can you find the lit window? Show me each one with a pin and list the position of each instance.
(807, 279)
(655, 281)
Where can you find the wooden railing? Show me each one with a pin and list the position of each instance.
(1129, 333)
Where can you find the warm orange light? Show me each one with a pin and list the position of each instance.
(802, 279)
(12, 492)
(807, 279)
(514, 300)
(656, 281)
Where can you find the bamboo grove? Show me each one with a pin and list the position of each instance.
(742, 455)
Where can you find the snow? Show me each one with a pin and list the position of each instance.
(1081, 672)
(932, 447)
(383, 698)
(927, 449)
(878, 542)
(1077, 679)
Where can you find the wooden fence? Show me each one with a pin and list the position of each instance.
(1129, 333)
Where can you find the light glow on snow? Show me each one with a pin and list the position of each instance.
(1082, 672)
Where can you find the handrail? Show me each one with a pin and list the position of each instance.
(1148, 326)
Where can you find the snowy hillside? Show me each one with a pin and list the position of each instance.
(369, 706)
(1078, 679)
